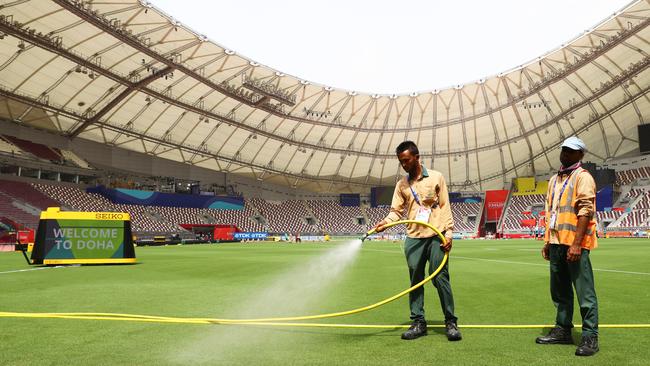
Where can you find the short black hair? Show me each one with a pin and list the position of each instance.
(407, 145)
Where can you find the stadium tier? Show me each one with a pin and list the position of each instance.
(27, 194)
(38, 150)
(462, 213)
(70, 156)
(632, 219)
(376, 214)
(7, 147)
(625, 177)
(286, 216)
(21, 202)
(608, 216)
(334, 218)
(644, 202)
(520, 208)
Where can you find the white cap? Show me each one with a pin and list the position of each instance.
(574, 143)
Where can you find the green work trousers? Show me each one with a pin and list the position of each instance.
(418, 253)
(564, 274)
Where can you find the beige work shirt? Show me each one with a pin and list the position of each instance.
(585, 197)
(431, 190)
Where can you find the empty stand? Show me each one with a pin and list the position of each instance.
(38, 150)
(75, 159)
(7, 147)
(334, 218)
(625, 177)
(22, 203)
(285, 217)
(513, 214)
(633, 219)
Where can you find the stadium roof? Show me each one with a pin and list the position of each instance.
(125, 74)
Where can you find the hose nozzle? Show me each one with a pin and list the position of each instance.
(363, 238)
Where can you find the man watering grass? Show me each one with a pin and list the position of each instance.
(423, 195)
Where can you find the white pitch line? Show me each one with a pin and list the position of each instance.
(30, 269)
(546, 265)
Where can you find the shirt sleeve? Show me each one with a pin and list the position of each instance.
(446, 217)
(397, 205)
(585, 195)
(547, 209)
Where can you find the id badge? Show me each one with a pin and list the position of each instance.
(552, 219)
(423, 214)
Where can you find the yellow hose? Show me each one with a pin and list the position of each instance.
(284, 321)
(160, 319)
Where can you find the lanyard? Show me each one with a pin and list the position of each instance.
(561, 190)
(415, 195)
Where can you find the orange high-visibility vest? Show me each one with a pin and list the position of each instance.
(567, 218)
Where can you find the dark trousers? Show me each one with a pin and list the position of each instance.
(418, 253)
(564, 274)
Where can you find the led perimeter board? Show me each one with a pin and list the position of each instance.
(66, 237)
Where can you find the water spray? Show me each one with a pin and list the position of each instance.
(258, 321)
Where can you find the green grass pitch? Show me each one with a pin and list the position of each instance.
(494, 282)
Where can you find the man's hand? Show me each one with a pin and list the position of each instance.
(574, 253)
(545, 251)
(380, 226)
(446, 246)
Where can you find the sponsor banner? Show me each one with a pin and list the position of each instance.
(148, 198)
(251, 236)
(494, 202)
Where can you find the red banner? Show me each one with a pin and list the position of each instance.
(494, 201)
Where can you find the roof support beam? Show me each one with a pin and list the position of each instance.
(360, 182)
(110, 105)
(48, 44)
(137, 44)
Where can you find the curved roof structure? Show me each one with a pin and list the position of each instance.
(125, 74)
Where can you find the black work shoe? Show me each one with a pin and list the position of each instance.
(453, 334)
(416, 330)
(588, 346)
(557, 335)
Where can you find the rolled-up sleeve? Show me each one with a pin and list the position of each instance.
(397, 204)
(585, 195)
(446, 217)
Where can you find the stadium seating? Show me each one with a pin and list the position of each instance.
(26, 193)
(78, 200)
(633, 219)
(10, 211)
(9, 148)
(22, 203)
(461, 212)
(334, 218)
(376, 214)
(625, 177)
(240, 218)
(70, 156)
(644, 203)
(38, 150)
(286, 216)
(150, 218)
(513, 213)
(610, 216)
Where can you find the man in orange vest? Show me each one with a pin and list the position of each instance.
(569, 238)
